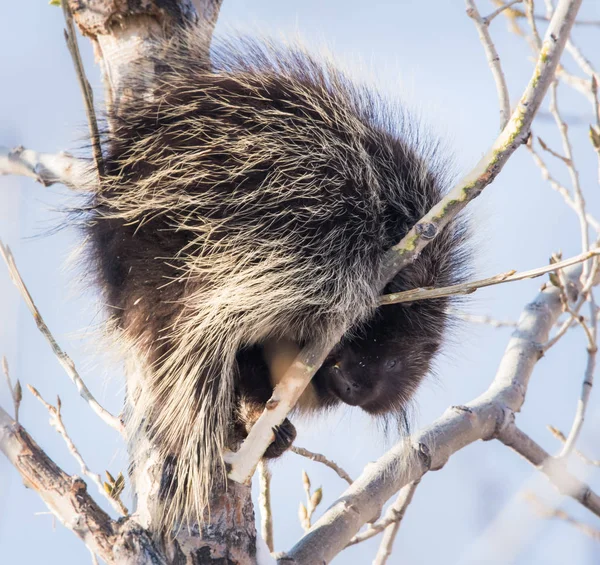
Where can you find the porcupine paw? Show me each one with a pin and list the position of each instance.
(285, 434)
(168, 478)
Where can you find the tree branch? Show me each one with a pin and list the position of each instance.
(65, 496)
(493, 58)
(389, 535)
(264, 501)
(47, 168)
(86, 89)
(554, 468)
(322, 459)
(65, 361)
(416, 294)
(57, 423)
(483, 418)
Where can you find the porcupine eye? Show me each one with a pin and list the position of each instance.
(389, 364)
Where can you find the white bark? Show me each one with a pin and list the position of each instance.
(489, 416)
(47, 168)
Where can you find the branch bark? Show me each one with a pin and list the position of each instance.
(47, 168)
(484, 418)
(119, 543)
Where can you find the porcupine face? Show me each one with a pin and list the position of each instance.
(381, 367)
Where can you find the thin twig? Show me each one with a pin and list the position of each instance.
(561, 437)
(537, 40)
(584, 63)
(57, 423)
(591, 332)
(547, 512)
(493, 61)
(498, 11)
(390, 533)
(84, 85)
(63, 358)
(16, 393)
(595, 130)
(485, 320)
(562, 190)
(542, 18)
(573, 173)
(554, 468)
(469, 287)
(548, 149)
(264, 503)
(322, 459)
(574, 310)
(393, 515)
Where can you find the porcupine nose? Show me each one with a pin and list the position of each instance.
(346, 388)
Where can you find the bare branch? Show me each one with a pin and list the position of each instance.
(498, 11)
(563, 191)
(493, 59)
(515, 12)
(486, 320)
(390, 533)
(322, 459)
(552, 152)
(57, 423)
(546, 512)
(560, 436)
(588, 378)
(470, 287)
(46, 168)
(537, 40)
(592, 280)
(123, 542)
(65, 496)
(264, 502)
(16, 393)
(554, 468)
(573, 173)
(63, 358)
(584, 64)
(86, 89)
(459, 426)
(393, 516)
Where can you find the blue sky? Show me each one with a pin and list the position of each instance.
(427, 55)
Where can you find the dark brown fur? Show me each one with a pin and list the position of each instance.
(253, 202)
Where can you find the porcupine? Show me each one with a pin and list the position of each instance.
(248, 203)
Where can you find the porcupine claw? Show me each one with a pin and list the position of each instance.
(285, 434)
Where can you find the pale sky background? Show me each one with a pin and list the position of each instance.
(428, 54)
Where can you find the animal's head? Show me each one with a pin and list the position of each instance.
(382, 365)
